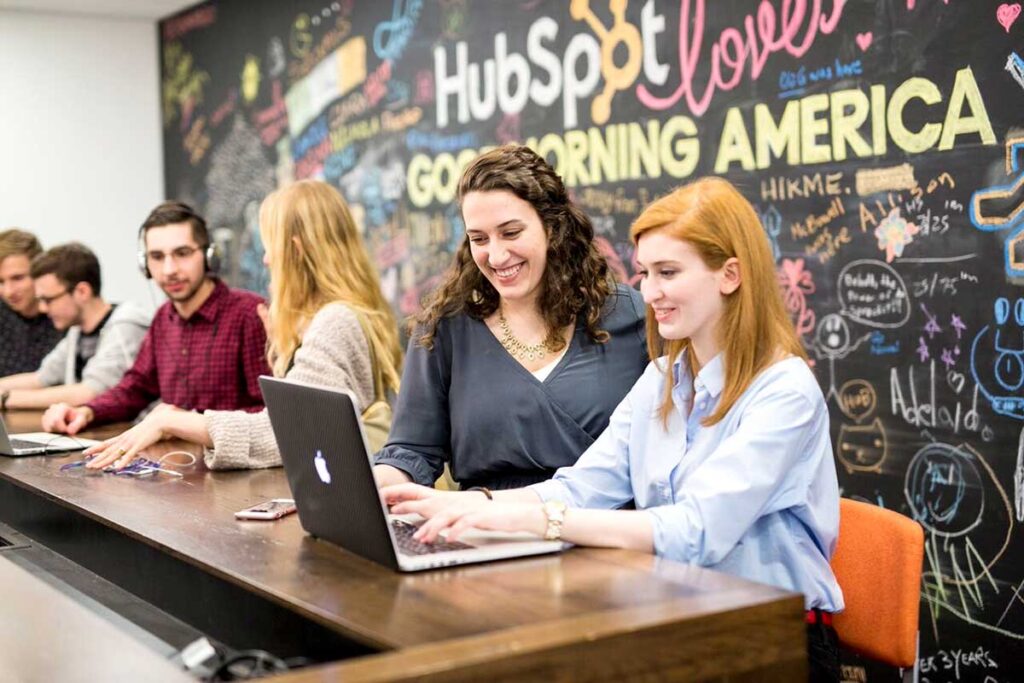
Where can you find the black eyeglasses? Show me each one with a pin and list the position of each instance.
(50, 299)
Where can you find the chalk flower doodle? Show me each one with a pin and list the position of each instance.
(894, 233)
(797, 283)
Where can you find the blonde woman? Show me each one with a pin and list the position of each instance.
(329, 325)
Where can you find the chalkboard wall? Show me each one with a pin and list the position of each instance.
(880, 141)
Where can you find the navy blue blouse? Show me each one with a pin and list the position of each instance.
(469, 403)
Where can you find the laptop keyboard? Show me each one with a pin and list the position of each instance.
(403, 534)
(22, 444)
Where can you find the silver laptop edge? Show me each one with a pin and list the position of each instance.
(43, 443)
(488, 545)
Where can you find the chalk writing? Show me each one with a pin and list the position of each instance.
(874, 294)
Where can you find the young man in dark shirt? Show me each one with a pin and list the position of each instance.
(102, 339)
(206, 347)
(26, 334)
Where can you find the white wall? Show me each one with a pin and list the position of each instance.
(80, 136)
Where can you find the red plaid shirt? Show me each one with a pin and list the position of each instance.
(209, 362)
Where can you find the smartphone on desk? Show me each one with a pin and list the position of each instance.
(271, 509)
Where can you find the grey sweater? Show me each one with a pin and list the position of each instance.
(116, 349)
(334, 353)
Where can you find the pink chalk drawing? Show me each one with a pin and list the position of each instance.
(894, 233)
(733, 52)
(1006, 14)
(864, 40)
(797, 282)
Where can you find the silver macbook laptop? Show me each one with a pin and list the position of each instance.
(329, 468)
(38, 443)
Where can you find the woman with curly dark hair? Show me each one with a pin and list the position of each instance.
(521, 355)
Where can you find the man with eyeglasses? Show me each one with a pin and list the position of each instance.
(206, 347)
(102, 339)
(26, 334)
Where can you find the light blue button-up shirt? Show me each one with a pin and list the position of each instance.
(754, 495)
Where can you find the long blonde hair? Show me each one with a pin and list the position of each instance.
(719, 222)
(317, 257)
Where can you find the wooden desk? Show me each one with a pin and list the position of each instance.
(175, 543)
(47, 636)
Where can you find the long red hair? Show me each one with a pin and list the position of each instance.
(712, 216)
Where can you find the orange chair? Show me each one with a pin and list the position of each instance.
(878, 566)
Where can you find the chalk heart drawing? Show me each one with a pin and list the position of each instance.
(956, 381)
(1007, 14)
(864, 39)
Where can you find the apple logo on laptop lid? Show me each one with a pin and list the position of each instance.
(321, 468)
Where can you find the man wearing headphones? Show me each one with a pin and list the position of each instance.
(102, 338)
(206, 347)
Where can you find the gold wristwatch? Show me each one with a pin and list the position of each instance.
(555, 512)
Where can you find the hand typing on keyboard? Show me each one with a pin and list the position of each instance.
(403, 535)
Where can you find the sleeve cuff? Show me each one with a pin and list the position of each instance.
(99, 413)
(552, 489)
(657, 531)
(414, 467)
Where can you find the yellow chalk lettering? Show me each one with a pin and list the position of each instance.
(812, 126)
(418, 180)
(878, 132)
(644, 149)
(734, 145)
(908, 141)
(773, 140)
(446, 177)
(849, 110)
(965, 88)
(680, 148)
(602, 154)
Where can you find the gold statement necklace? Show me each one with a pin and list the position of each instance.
(517, 348)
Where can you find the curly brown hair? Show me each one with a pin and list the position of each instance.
(576, 282)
